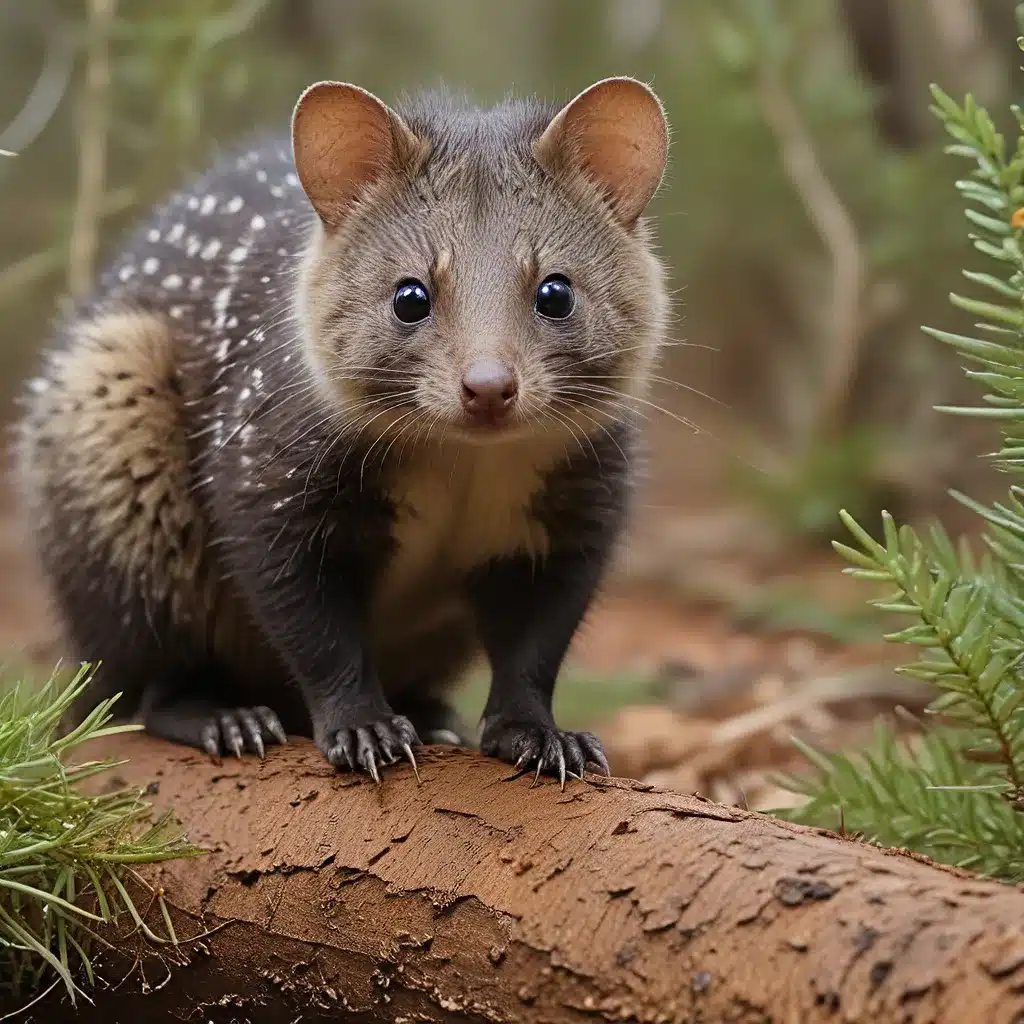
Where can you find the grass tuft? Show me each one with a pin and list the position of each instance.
(65, 856)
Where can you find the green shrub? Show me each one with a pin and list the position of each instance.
(956, 792)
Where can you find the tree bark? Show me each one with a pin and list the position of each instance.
(473, 897)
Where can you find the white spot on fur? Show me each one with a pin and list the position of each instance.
(232, 321)
(208, 205)
(257, 377)
(238, 254)
(193, 203)
(257, 223)
(193, 246)
(196, 283)
(172, 281)
(291, 179)
(222, 350)
(235, 205)
(276, 191)
(211, 249)
(244, 394)
(153, 235)
(261, 175)
(151, 265)
(176, 234)
(126, 273)
(39, 385)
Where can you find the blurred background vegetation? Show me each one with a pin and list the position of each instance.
(808, 217)
(809, 221)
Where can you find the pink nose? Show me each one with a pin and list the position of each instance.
(489, 390)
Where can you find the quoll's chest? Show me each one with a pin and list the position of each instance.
(456, 509)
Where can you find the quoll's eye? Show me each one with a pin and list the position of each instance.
(555, 298)
(411, 302)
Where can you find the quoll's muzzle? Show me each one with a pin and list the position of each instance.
(489, 392)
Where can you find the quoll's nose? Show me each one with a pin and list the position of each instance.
(489, 390)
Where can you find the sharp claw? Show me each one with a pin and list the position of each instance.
(370, 763)
(236, 744)
(412, 761)
(384, 740)
(343, 746)
(536, 777)
(272, 724)
(253, 732)
(561, 767)
(210, 745)
(523, 758)
(595, 754)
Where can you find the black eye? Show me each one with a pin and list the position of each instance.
(411, 302)
(555, 298)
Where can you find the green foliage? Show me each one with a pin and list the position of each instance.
(65, 856)
(960, 797)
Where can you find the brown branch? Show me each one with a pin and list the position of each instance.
(92, 149)
(837, 231)
(476, 898)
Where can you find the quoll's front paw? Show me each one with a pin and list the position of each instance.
(367, 741)
(552, 751)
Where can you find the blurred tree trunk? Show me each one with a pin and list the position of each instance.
(903, 45)
(475, 898)
(873, 35)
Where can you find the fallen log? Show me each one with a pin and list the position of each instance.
(474, 897)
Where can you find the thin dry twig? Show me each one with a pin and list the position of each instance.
(838, 232)
(92, 152)
(857, 685)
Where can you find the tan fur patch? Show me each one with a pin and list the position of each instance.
(457, 506)
(114, 453)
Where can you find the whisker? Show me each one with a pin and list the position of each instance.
(380, 436)
(654, 377)
(601, 426)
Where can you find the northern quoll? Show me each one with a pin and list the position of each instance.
(350, 409)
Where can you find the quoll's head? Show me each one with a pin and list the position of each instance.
(486, 274)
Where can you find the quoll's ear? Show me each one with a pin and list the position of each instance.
(617, 134)
(343, 139)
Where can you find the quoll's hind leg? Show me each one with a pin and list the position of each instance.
(200, 710)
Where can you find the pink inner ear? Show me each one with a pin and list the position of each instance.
(617, 133)
(343, 140)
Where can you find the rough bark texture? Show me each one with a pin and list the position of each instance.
(475, 898)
